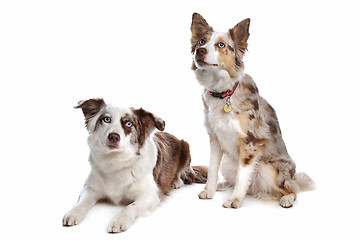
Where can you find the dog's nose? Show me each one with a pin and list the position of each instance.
(114, 137)
(201, 52)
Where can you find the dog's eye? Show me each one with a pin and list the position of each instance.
(128, 124)
(202, 42)
(107, 119)
(221, 45)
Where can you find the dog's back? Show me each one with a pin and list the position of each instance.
(173, 168)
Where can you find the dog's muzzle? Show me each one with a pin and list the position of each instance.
(113, 140)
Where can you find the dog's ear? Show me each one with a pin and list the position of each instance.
(149, 121)
(90, 108)
(199, 25)
(240, 34)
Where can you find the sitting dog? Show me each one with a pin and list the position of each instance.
(129, 164)
(244, 132)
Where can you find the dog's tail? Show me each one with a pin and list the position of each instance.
(201, 173)
(197, 174)
(304, 181)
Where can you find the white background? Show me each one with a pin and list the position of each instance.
(304, 57)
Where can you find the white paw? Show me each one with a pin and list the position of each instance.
(232, 203)
(178, 183)
(120, 224)
(287, 201)
(206, 194)
(72, 218)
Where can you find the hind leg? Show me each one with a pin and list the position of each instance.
(287, 185)
(287, 201)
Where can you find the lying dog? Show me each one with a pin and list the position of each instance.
(130, 164)
(244, 131)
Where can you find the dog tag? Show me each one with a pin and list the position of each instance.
(227, 108)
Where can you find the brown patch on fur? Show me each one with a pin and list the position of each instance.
(200, 29)
(129, 118)
(255, 104)
(273, 127)
(99, 121)
(90, 108)
(252, 139)
(249, 148)
(251, 88)
(285, 173)
(240, 34)
(201, 173)
(244, 121)
(279, 192)
(146, 123)
(245, 158)
(226, 58)
(248, 159)
(168, 160)
(173, 161)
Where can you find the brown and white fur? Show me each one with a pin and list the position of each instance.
(247, 140)
(129, 163)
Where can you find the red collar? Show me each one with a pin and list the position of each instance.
(224, 94)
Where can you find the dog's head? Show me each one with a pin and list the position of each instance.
(114, 129)
(218, 51)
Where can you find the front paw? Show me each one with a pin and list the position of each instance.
(232, 203)
(120, 224)
(72, 218)
(206, 194)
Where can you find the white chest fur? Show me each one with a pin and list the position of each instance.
(123, 179)
(225, 126)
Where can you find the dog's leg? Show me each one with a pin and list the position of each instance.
(248, 155)
(144, 203)
(215, 159)
(87, 200)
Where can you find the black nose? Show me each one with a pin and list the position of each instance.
(114, 137)
(201, 52)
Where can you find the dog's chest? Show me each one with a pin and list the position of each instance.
(115, 186)
(225, 126)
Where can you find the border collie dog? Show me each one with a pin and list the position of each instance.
(129, 163)
(245, 137)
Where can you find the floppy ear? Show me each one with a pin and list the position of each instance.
(149, 121)
(90, 108)
(240, 34)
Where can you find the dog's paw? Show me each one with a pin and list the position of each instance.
(177, 183)
(206, 194)
(232, 203)
(73, 218)
(120, 224)
(287, 201)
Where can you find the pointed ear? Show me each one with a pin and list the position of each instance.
(91, 107)
(149, 121)
(199, 26)
(240, 34)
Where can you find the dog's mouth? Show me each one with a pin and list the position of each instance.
(202, 63)
(112, 145)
